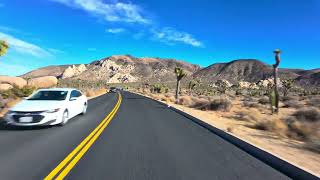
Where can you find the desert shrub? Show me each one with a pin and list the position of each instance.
(288, 98)
(221, 104)
(304, 124)
(262, 125)
(215, 105)
(159, 88)
(315, 101)
(251, 104)
(278, 126)
(307, 114)
(185, 101)
(292, 104)
(313, 145)
(299, 130)
(201, 104)
(17, 92)
(170, 98)
(264, 100)
(249, 115)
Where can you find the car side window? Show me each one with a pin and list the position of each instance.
(78, 94)
(73, 94)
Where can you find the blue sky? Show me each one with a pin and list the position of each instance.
(54, 32)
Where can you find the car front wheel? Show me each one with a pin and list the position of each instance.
(65, 119)
(84, 109)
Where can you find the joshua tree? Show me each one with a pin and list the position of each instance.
(180, 74)
(275, 76)
(193, 84)
(287, 84)
(3, 47)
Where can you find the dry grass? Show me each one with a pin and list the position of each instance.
(274, 125)
(251, 115)
(186, 101)
(313, 145)
(250, 103)
(314, 101)
(264, 100)
(307, 114)
(94, 92)
(292, 104)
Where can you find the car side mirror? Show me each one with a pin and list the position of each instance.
(73, 98)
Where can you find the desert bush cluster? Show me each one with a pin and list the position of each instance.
(17, 92)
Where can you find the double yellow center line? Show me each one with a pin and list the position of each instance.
(72, 159)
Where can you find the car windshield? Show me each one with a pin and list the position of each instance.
(50, 95)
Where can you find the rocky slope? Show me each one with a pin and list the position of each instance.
(117, 69)
(252, 70)
(126, 68)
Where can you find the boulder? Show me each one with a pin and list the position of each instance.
(268, 82)
(17, 81)
(4, 87)
(73, 70)
(244, 84)
(122, 78)
(43, 82)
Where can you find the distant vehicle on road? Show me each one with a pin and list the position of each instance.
(48, 107)
(113, 89)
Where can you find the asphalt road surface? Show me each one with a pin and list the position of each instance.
(143, 141)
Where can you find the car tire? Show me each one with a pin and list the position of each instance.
(84, 109)
(65, 118)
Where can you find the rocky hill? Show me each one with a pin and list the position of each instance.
(252, 70)
(117, 69)
(249, 70)
(126, 68)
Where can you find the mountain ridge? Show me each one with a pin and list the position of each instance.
(127, 68)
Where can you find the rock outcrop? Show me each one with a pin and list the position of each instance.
(43, 82)
(73, 70)
(14, 81)
(4, 87)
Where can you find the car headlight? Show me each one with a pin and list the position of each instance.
(53, 110)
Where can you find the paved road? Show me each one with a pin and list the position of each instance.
(144, 141)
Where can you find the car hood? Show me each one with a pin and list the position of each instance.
(32, 105)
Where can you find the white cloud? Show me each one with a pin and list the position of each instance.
(113, 11)
(115, 30)
(7, 29)
(172, 36)
(24, 47)
(55, 51)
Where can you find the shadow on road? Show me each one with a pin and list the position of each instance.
(6, 127)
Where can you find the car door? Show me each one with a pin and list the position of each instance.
(73, 104)
(80, 102)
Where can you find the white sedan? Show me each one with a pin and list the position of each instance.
(48, 107)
